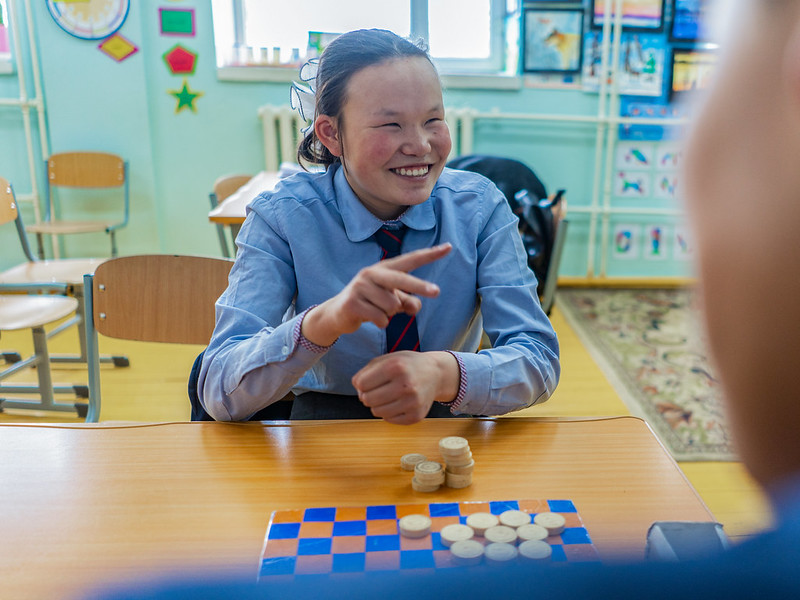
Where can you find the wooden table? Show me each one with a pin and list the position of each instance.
(83, 505)
(231, 211)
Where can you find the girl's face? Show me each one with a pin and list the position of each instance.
(391, 137)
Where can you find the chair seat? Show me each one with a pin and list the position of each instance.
(22, 311)
(67, 270)
(58, 227)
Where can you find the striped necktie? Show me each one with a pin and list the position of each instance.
(401, 333)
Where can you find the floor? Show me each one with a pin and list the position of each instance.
(153, 388)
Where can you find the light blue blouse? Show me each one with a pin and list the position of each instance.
(304, 241)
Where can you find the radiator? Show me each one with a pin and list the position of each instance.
(461, 122)
(282, 133)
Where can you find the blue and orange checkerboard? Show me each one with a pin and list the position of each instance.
(366, 539)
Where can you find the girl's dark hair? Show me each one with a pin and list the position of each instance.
(341, 59)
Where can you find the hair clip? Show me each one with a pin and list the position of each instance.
(302, 98)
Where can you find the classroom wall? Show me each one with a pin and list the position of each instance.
(94, 102)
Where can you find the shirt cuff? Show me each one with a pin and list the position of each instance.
(462, 384)
(300, 339)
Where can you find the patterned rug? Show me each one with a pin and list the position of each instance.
(650, 345)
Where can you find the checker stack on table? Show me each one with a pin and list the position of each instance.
(430, 475)
(367, 539)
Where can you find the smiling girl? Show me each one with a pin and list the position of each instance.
(321, 305)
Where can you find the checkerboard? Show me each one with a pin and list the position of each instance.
(365, 539)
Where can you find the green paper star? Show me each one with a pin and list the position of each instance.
(185, 97)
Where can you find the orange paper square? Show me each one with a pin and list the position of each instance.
(424, 543)
(280, 548)
(316, 529)
(413, 509)
(319, 563)
(351, 513)
(382, 527)
(468, 508)
(288, 516)
(437, 523)
(385, 560)
(534, 506)
(348, 544)
(444, 558)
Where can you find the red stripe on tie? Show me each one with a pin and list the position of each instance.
(402, 335)
(393, 236)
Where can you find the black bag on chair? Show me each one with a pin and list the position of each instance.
(277, 411)
(527, 197)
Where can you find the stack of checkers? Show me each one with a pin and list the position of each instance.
(458, 460)
(430, 475)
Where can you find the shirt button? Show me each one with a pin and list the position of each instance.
(285, 350)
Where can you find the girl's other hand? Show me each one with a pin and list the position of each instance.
(402, 386)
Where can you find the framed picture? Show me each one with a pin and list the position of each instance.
(642, 15)
(690, 21)
(692, 69)
(552, 40)
(642, 63)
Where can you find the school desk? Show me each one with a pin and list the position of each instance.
(84, 505)
(231, 211)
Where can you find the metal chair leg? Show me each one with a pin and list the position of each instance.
(45, 388)
(549, 292)
(40, 245)
(223, 242)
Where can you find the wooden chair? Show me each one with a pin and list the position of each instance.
(224, 187)
(82, 170)
(60, 276)
(150, 298)
(34, 312)
(551, 281)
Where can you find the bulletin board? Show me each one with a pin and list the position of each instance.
(644, 70)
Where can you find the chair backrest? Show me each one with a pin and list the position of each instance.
(509, 175)
(158, 298)
(227, 185)
(9, 211)
(86, 170)
(8, 204)
(551, 281)
(150, 298)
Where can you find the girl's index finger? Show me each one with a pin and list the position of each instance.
(411, 260)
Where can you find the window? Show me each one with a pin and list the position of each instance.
(464, 36)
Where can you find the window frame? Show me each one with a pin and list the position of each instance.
(456, 70)
(494, 64)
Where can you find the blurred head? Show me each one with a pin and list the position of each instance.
(380, 113)
(743, 191)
